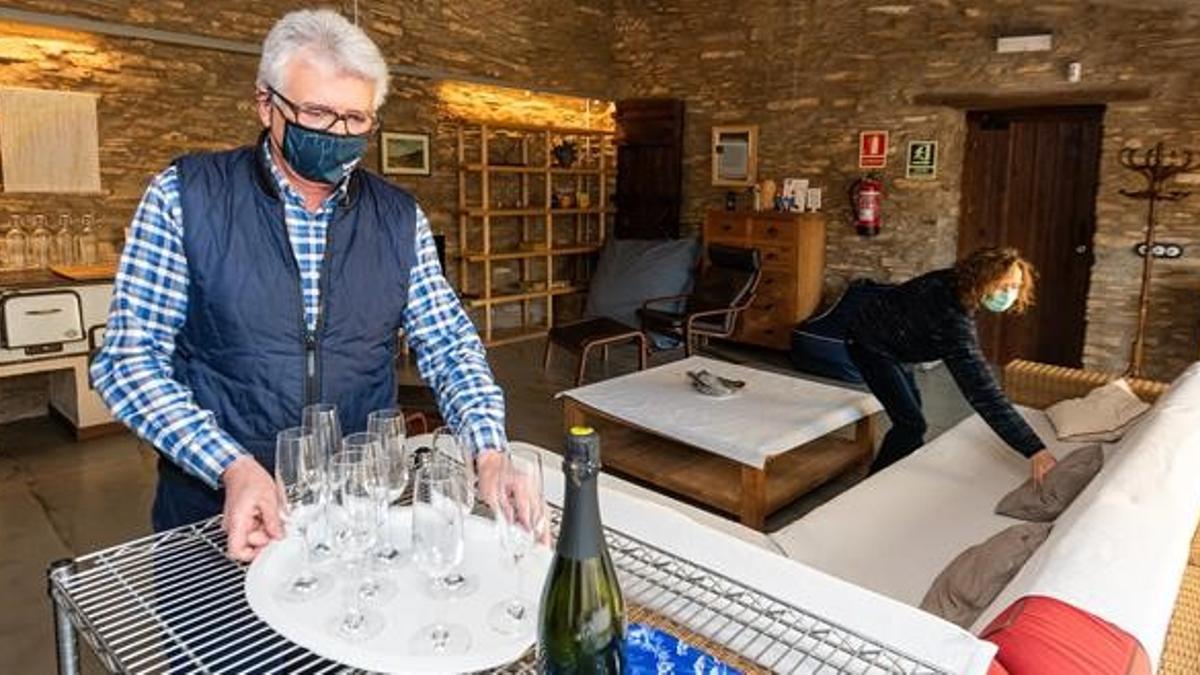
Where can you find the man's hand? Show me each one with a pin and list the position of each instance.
(251, 509)
(489, 469)
(1040, 465)
(496, 478)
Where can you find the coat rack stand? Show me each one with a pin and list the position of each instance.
(1158, 166)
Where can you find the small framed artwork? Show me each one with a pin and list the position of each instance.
(734, 155)
(405, 154)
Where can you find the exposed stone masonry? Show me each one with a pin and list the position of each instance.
(814, 73)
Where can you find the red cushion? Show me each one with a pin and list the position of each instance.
(1044, 636)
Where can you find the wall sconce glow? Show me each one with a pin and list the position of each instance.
(30, 43)
(490, 103)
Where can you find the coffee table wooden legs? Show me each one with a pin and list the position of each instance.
(754, 498)
(864, 440)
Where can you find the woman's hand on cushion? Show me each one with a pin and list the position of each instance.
(1040, 464)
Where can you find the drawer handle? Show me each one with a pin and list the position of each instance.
(42, 312)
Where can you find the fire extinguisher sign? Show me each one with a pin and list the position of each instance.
(872, 149)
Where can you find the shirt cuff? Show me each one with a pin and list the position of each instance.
(213, 451)
(487, 437)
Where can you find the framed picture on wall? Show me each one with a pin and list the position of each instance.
(734, 155)
(404, 153)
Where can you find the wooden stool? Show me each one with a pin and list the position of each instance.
(582, 336)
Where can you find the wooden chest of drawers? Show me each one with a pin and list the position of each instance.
(792, 246)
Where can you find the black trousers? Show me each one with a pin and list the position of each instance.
(892, 382)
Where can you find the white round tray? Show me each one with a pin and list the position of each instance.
(307, 623)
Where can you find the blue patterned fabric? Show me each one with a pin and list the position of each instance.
(649, 650)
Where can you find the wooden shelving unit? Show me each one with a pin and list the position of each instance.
(521, 240)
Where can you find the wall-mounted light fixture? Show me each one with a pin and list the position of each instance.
(1019, 44)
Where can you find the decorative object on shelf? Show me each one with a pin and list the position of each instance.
(583, 200)
(795, 194)
(813, 199)
(404, 153)
(1157, 166)
(15, 242)
(63, 251)
(734, 155)
(922, 160)
(767, 191)
(565, 153)
(566, 199)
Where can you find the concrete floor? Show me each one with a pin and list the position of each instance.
(59, 498)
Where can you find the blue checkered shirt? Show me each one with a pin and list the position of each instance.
(133, 372)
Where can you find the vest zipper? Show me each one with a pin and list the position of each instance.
(308, 343)
(322, 304)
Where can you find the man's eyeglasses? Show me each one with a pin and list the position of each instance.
(322, 118)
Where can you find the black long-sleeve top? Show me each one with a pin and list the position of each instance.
(923, 320)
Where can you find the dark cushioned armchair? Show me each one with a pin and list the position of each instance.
(725, 286)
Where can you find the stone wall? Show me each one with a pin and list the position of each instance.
(157, 101)
(814, 73)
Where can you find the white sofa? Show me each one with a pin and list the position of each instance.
(1119, 551)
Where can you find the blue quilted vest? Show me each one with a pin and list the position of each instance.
(244, 349)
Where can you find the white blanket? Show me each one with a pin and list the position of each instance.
(909, 630)
(772, 414)
(895, 532)
(1120, 549)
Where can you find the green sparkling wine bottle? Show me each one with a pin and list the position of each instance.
(581, 627)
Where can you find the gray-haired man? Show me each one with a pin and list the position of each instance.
(262, 279)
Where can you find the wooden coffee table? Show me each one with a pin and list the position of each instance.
(747, 455)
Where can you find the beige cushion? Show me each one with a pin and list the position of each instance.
(1103, 416)
(1061, 486)
(973, 579)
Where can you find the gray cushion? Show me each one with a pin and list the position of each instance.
(1061, 486)
(973, 579)
(631, 271)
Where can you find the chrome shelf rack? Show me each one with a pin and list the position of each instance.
(174, 602)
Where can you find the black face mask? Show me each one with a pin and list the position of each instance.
(321, 156)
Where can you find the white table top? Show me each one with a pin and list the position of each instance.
(770, 415)
(859, 610)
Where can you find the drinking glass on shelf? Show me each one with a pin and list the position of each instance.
(38, 253)
(63, 250)
(298, 485)
(321, 420)
(388, 424)
(456, 451)
(87, 243)
(12, 246)
(438, 546)
(354, 517)
(519, 509)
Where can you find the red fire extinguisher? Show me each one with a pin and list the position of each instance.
(866, 200)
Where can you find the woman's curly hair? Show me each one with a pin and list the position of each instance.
(981, 272)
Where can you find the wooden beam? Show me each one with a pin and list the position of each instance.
(998, 100)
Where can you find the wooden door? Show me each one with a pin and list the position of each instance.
(649, 143)
(1029, 182)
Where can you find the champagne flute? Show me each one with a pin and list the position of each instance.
(438, 547)
(355, 521)
(298, 489)
(321, 421)
(519, 508)
(456, 452)
(388, 424)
